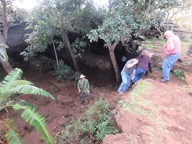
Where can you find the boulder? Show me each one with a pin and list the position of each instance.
(16, 39)
(97, 61)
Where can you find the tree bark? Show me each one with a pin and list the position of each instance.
(5, 24)
(6, 65)
(3, 38)
(56, 57)
(67, 42)
(113, 59)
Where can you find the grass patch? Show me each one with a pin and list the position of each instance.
(185, 45)
(137, 103)
(179, 74)
(153, 44)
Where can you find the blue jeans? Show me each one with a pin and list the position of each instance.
(126, 79)
(139, 73)
(168, 65)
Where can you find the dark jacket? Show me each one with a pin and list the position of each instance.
(144, 62)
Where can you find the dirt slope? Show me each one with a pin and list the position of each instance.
(150, 112)
(154, 113)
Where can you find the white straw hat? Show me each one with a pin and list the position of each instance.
(82, 76)
(168, 32)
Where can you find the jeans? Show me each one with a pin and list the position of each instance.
(168, 65)
(139, 73)
(82, 95)
(125, 82)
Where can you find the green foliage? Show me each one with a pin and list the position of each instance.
(93, 124)
(76, 76)
(179, 74)
(63, 72)
(129, 18)
(10, 88)
(78, 46)
(52, 18)
(12, 135)
(3, 54)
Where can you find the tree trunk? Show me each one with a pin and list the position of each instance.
(3, 39)
(67, 42)
(5, 24)
(56, 57)
(113, 59)
(6, 65)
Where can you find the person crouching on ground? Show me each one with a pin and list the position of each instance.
(143, 65)
(172, 52)
(126, 75)
(83, 88)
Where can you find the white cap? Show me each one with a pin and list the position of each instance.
(168, 32)
(82, 76)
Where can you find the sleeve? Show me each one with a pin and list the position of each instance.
(169, 46)
(150, 69)
(87, 83)
(78, 85)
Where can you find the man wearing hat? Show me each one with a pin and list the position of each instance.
(172, 52)
(83, 88)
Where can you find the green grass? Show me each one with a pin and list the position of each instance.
(153, 44)
(137, 103)
(185, 45)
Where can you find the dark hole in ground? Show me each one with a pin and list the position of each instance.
(97, 77)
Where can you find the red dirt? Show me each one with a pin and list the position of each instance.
(171, 104)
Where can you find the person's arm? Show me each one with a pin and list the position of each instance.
(132, 64)
(150, 68)
(78, 86)
(169, 47)
(88, 86)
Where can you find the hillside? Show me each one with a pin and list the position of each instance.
(150, 112)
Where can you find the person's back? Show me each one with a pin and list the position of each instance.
(127, 70)
(143, 65)
(126, 75)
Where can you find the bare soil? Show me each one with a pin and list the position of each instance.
(170, 103)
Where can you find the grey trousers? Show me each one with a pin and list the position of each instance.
(82, 95)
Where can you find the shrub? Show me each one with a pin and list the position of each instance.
(91, 127)
(63, 72)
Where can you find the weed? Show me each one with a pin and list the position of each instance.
(179, 74)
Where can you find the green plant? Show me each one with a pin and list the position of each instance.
(179, 74)
(93, 125)
(63, 72)
(76, 76)
(10, 88)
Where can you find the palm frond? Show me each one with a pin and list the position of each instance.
(33, 118)
(29, 89)
(12, 136)
(10, 79)
(22, 82)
